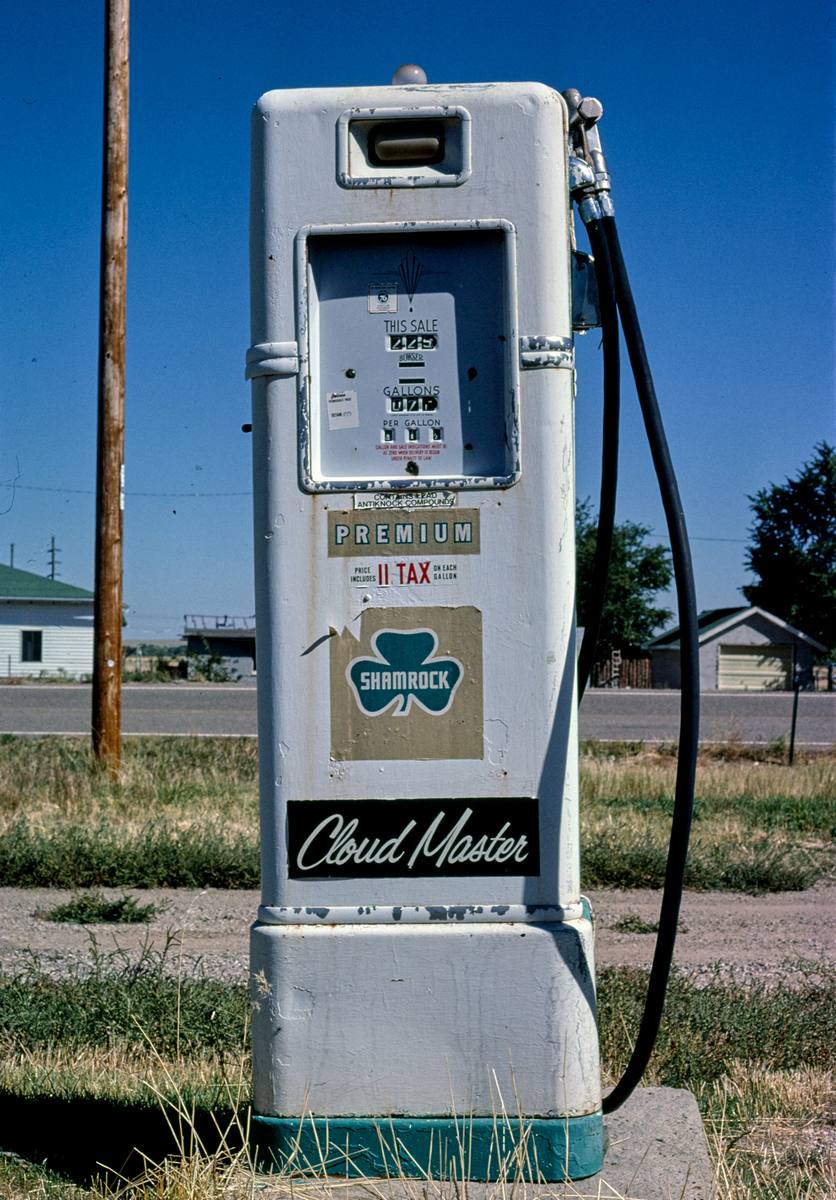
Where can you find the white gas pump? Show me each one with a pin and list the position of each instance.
(422, 958)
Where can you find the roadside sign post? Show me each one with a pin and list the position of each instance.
(422, 959)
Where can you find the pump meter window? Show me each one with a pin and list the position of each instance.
(411, 376)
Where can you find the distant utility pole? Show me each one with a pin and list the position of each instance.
(53, 562)
(107, 658)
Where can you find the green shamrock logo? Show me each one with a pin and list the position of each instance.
(404, 670)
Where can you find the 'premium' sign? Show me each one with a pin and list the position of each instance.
(374, 534)
(400, 838)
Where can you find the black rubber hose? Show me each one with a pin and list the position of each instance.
(610, 340)
(689, 681)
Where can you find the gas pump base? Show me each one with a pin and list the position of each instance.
(455, 1049)
(484, 1149)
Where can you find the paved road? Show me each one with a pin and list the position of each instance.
(744, 716)
(608, 715)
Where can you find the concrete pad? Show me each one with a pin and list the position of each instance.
(657, 1150)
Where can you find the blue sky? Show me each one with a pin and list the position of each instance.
(717, 128)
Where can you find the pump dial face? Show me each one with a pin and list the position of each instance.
(409, 356)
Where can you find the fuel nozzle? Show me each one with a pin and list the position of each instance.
(589, 180)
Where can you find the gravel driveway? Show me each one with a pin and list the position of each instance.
(754, 938)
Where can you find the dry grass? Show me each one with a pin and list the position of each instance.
(758, 825)
(771, 1132)
(122, 1071)
(184, 813)
(772, 1135)
(187, 779)
(179, 779)
(649, 778)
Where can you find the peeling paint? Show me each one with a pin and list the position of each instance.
(496, 741)
(297, 1004)
(383, 914)
(543, 350)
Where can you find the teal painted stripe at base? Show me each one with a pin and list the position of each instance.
(536, 1149)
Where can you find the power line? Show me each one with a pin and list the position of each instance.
(694, 537)
(31, 487)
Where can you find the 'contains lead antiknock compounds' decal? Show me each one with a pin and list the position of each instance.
(399, 838)
(404, 670)
(407, 684)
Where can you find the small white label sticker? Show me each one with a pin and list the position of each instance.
(383, 297)
(405, 500)
(343, 410)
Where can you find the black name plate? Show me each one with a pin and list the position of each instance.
(359, 839)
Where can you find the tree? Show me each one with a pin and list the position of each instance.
(637, 572)
(793, 548)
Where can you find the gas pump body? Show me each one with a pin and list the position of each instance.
(422, 954)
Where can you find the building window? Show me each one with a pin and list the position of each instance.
(31, 645)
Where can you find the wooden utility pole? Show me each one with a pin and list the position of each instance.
(107, 660)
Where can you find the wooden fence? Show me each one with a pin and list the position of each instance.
(623, 670)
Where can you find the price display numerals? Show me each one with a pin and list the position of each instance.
(413, 404)
(411, 341)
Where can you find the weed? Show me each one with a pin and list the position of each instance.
(633, 923)
(93, 908)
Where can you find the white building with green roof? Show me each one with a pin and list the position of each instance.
(46, 627)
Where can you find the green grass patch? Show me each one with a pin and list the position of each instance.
(93, 908)
(709, 1029)
(631, 853)
(161, 853)
(114, 997)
